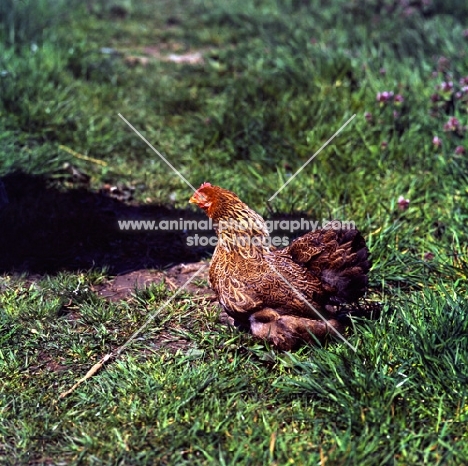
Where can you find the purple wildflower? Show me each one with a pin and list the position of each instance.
(446, 86)
(403, 203)
(384, 96)
(452, 124)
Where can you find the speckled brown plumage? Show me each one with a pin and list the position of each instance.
(276, 292)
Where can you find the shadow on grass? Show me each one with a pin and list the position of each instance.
(46, 228)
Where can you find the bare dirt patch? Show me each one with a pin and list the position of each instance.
(174, 53)
(123, 286)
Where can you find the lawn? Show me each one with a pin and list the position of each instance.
(243, 95)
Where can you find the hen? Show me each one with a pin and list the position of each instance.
(281, 295)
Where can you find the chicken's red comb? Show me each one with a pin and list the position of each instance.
(205, 185)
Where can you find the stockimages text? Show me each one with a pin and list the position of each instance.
(245, 230)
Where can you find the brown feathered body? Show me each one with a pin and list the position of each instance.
(281, 295)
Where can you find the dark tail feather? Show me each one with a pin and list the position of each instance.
(346, 274)
(339, 257)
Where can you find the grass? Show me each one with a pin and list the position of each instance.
(278, 79)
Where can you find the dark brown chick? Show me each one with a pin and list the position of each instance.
(277, 293)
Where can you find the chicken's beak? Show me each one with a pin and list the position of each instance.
(194, 200)
(198, 198)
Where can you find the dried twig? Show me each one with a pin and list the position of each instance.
(89, 374)
(81, 156)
